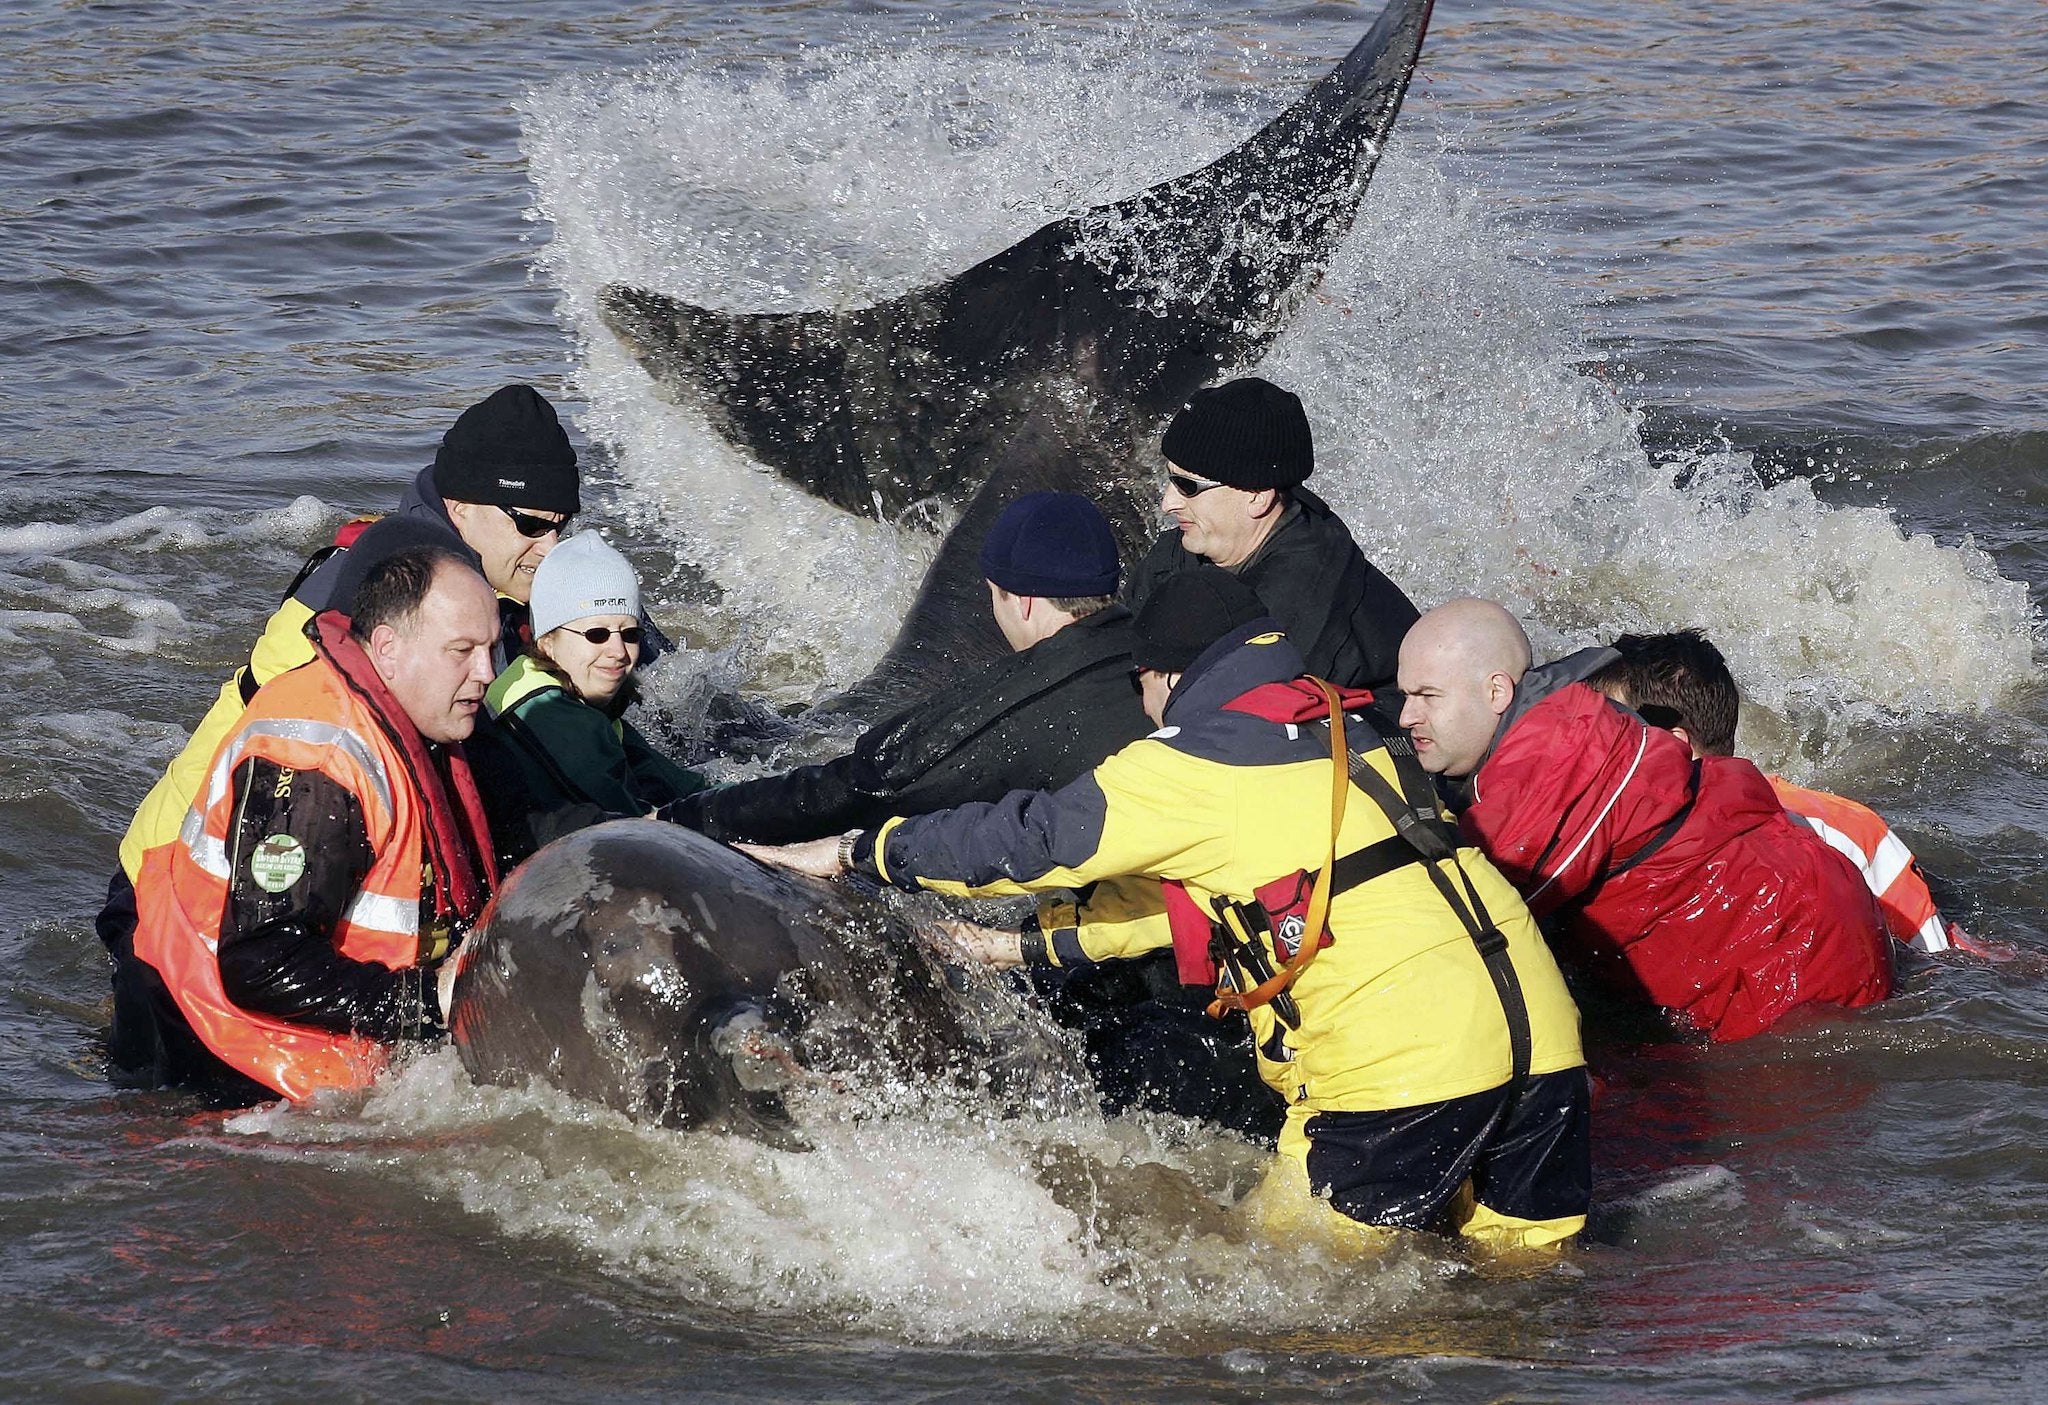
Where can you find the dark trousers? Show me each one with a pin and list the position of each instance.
(150, 1044)
(1149, 1044)
(1529, 1158)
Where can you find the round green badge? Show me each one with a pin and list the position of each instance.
(278, 862)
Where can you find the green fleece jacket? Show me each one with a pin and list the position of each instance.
(546, 763)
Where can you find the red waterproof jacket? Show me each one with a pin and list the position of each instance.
(1732, 915)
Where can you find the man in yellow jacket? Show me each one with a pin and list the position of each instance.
(501, 490)
(1403, 1002)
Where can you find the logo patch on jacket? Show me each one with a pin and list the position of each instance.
(1270, 637)
(278, 862)
(1287, 934)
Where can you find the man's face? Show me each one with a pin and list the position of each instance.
(1453, 705)
(510, 556)
(1216, 521)
(438, 662)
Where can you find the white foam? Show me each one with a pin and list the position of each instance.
(54, 594)
(1455, 430)
(923, 1215)
(1712, 1185)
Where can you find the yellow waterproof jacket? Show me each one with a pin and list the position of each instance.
(1399, 1011)
(282, 647)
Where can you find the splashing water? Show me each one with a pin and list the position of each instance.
(1456, 431)
(938, 1221)
(1457, 434)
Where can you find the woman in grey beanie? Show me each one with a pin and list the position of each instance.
(553, 751)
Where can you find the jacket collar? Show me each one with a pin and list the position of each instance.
(1240, 661)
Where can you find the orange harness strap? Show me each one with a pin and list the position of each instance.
(1319, 896)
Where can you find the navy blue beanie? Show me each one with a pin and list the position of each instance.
(1057, 545)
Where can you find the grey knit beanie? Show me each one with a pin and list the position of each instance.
(584, 576)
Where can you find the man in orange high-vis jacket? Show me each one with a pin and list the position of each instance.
(1681, 681)
(337, 850)
(502, 488)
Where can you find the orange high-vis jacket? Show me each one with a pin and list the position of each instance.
(305, 720)
(1861, 835)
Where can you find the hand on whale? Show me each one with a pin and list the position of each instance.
(814, 858)
(659, 972)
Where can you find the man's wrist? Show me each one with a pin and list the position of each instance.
(847, 841)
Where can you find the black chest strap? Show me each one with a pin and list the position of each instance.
(1420, 828)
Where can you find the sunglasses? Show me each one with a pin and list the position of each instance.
(601, 634)
(532, 526)
(1189, 487)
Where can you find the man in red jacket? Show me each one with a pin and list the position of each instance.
(1677, 882)
(1681, 682)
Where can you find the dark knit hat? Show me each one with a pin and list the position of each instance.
(379, 542)
(1187, 612)
(509, 450)
(1248, 433)
(1051, 544)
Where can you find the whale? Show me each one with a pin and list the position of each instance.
(1049, 365)
(642, 966)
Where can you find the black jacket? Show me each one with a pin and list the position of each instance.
(1033, 721)
(1337, 608)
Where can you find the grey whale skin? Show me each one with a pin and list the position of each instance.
(643, 966)
(1049, 365)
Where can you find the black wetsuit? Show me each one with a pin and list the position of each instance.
(1033, 721)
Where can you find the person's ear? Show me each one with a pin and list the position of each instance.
(383, 651)
(1263, 502)
(1500, 692)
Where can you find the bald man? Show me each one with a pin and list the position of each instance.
(1674, 882)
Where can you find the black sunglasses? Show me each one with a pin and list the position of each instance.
(1189, 487)
(532, 526)
(599, 634)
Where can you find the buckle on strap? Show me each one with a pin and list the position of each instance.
(1491, 941)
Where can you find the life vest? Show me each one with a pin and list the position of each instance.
(1291, 913)
(1860, 834)
(335, 717)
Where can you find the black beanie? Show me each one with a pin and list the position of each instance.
(1057, 545)
(509, 450)
(1248, 433)
(378, 543)
(1189, 611)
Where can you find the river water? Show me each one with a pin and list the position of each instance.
(1656, 315)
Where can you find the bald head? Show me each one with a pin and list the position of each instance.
(1459, 667)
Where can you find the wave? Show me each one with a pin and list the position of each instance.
(1458, 430)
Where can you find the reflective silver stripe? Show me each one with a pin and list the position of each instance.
(384, 914)
(211, 854)
(206, 851)
(312, 734)
(1933, 936)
